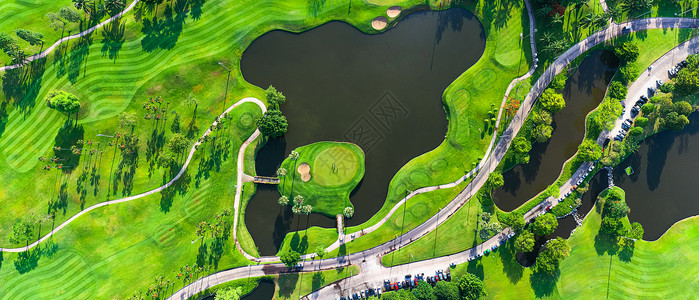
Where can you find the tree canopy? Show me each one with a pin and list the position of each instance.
(274, 97)
(545, 224)
(495, 180)
(63, 101)
(542, 133)
(178, 143)
(229, 293)
(21, 232)
(552, 101)
(687, 80)
(272, 123)
(616, 209)
(589, 150)
(542, 117)
(554, 252)
(34, 38)
(290, 258)
(525, 241)
(636, 231)
(617, 90)
(471, 287)
(423, 291)
(522, 147)
(445, 290)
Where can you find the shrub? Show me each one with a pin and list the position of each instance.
(648, 108)
(552, 101)
(636, 130)
(641, 122)
(627, 51)
(617, 90)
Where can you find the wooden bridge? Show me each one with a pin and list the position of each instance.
(266, 180)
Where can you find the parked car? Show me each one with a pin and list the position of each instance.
(659, 82)
(625, 126)
(684, 63)
(651, 90)
(644, 99)
(592, 167)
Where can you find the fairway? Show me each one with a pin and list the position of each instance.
(335, 166)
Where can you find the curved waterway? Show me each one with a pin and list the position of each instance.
(664, 187)
(382, 92)
(583, 92)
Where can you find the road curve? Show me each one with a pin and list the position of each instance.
(141, 195)
(370, 260)
(68, 38)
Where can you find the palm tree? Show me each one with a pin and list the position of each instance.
(114, 5)
(349, 212)
(543, 11)
(83, 5)
(281, 172)
(283, 200)
(294, 155)
(588, 20)
(557, 19)
(298, 200)
(202, 227)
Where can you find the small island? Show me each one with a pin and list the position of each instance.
(323, 174)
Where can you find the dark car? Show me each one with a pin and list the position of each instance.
(684, 63)
(644, 98)
(625, 126)
(651, 90)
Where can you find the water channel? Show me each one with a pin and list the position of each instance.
(382, 92)
(583, 92)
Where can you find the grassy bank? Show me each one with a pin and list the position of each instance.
(294, 286)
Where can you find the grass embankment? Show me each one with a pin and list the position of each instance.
(600, 268)
(293, 286)
(245, 286)
(467, 101)
(116, 70)
(331, 171)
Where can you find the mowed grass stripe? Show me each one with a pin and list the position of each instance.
(55, 285)
(19, 152)
(19, 123)
(32, 282)
(28, 131)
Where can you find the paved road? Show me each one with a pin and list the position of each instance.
(372, 272)
(157, 190)
(70, 37)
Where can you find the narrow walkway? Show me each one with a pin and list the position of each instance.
(68, 38)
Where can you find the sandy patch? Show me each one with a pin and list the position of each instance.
(393, 11)
(379, 23)
(305, 170)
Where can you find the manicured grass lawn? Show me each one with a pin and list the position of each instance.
(661, 9)
(335, 169)
(294, 286)
(457, 233)
(597, 268)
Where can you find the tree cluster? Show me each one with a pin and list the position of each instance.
(589, 150)
(63, 101)
(687, 81)
(554, 252)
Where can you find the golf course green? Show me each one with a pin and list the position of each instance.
(324, 174)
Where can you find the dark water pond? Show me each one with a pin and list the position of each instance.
(382, 92)
(664, 187)
(583, 92)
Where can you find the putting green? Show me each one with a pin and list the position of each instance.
(324, 174)
(335, 166)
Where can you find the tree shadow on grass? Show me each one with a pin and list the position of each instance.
(511, 267)
(22, 86)
(162, 34)
(287, 284)
(113, 38)
(627, 250)
(1, 259)
(78, 54)
(605, 243)
(66, 138)
(318, 281)
(543, 283)
(180, 186)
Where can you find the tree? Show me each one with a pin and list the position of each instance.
(636, 130)
(274, 97)
(617, 90)
(21, 232)
(283, 200)
(667, 87)
(83, 5)
(290, 258)
(674, 121)
(552, 101)
(178, 143)
(423, 291)
(636, 6)
(272, 123)
(471, 287)
(127, 119)
(294, 155)
(612, 226)
(445, 290)
(34, 38)
(525, 241)
(542, 117)
(10, 47)
(559, 81)
(648, 108)
(682, 108)
(63, 101)
(165, 159)
(555, 251)
(281, 172)
(606, 114)
(589, 150)
(516, 221)
(230, 293)
(636, 231)
(542, 133)
(545, 225)
(348, 212)
(69, 14)
(522, 147)
(616, 209)
(320, 251)
(629, 73)
(687, 80)
(495, 180)
(114, 5)
(627, 52)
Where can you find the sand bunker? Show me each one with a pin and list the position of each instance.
(393, 11)
(305, 170)
(379, 23)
